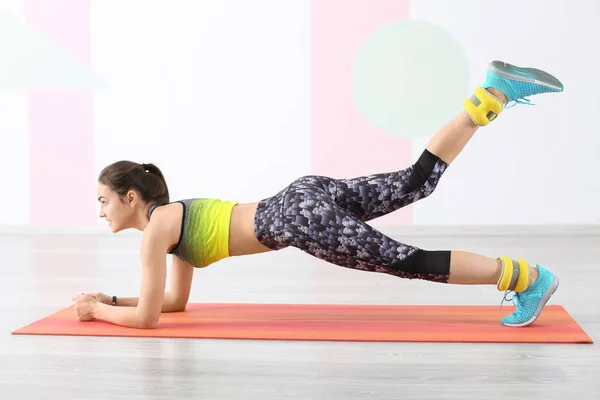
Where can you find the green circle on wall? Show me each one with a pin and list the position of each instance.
(410, 78)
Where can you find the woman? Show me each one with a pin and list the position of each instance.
(322, 216)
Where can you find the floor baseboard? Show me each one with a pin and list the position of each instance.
(390, 230)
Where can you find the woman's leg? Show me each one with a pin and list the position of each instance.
(468, 268)
(310, 214)
(373, 196)
(449, 141)
(304, 216)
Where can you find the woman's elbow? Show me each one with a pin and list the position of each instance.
(147, 325)
(148, 322)
(176, 305)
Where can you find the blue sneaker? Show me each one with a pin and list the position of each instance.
(531, 302)
(517, 83)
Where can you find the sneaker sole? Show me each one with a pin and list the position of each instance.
(549, 292)
(530, 75)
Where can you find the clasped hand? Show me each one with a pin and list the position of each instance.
(86, 305)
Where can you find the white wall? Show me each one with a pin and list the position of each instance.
(535, 164)
(216, 93)
(14, 139)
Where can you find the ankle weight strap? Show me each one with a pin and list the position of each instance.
(514, 276)
(483, 107)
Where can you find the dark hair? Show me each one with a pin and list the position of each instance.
(146, 179)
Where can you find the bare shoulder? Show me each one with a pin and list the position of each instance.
(164, 226)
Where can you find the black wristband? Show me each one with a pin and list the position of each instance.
(114, 300)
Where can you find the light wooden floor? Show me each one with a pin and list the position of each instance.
(39, 275)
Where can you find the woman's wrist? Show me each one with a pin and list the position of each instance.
(98, 309)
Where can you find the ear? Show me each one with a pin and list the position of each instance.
(131, 198)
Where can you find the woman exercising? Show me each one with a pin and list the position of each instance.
(322, 216)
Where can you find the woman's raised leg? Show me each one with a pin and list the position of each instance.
(373, 196)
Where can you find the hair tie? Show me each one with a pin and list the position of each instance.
(145, 167)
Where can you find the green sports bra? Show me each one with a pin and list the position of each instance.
(204, 237)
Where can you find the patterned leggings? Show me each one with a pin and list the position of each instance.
(327, 218)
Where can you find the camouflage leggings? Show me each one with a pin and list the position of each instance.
(327, 218)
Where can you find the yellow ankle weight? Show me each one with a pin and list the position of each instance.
(514, 276)
(483, 107)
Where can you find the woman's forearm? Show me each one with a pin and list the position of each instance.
(127, 313)
(169, 303)
(123, 316)
(127, 301)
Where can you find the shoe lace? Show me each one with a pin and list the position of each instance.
(514, 299)
(524, 100)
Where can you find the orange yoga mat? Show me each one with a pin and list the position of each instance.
(329, 322)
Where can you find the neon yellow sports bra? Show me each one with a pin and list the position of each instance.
(204, 237)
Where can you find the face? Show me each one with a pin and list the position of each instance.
(118, 212)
